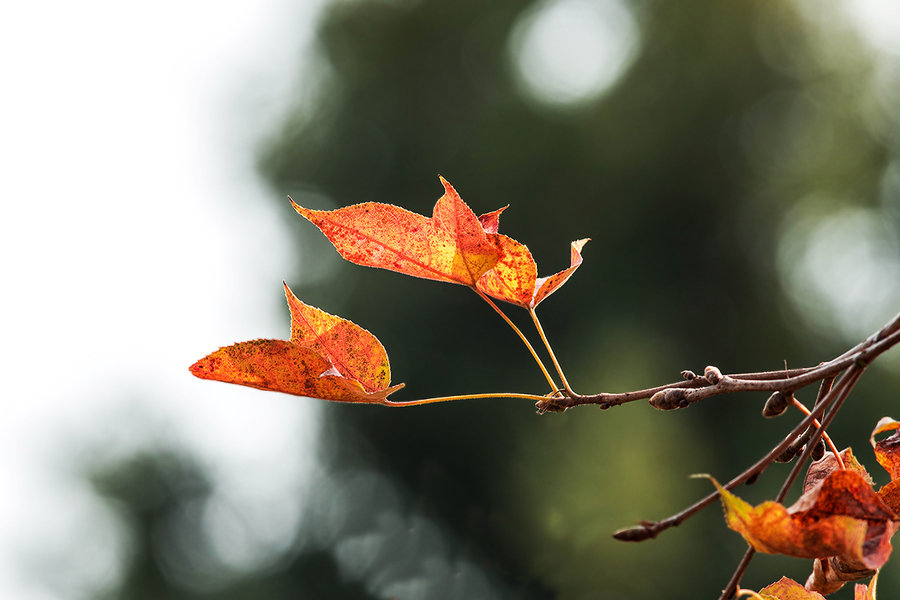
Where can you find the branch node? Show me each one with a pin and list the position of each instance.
(712, 374)
(689, 375)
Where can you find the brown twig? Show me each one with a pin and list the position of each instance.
(684, 393)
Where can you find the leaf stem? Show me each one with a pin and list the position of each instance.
(464, 397)
(521, 335)
(540, 330)
(799, 405)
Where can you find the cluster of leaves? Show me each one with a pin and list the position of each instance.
(840, 521)
(331, 358)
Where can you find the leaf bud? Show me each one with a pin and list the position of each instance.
(670, 399)
(786, 456)
(712, 374)
(775, 405)
(633, 534)
(819, 451)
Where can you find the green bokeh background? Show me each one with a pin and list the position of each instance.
(731, 117)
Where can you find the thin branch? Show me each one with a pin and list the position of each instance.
(699, 387)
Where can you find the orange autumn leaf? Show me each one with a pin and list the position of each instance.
(545, 286)
(514, 278)
(831, 573)
(450, 246)
(490, 222)
(354, 352)
(842, 516)
(327, 357)
(788, 589)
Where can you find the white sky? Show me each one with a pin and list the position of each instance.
(135, 238)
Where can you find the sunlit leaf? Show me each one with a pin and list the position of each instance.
(514, 278)
(450, 246)
(353, 351)
(547, 285)
(327, 357)
(490, 222)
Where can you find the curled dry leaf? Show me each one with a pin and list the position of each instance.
(830, 574)
(450, 246)
(514, 278)
(327, 357)
(788, 589)
(887, 451)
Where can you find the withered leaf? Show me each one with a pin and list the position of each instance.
(842, 516)
(887, 451)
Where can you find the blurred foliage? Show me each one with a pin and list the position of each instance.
(682, 174)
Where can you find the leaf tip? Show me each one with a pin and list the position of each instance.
(201, 368)
(447, 187)
(300, 210)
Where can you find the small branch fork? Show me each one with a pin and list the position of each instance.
(845, 369)
(712, 383)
